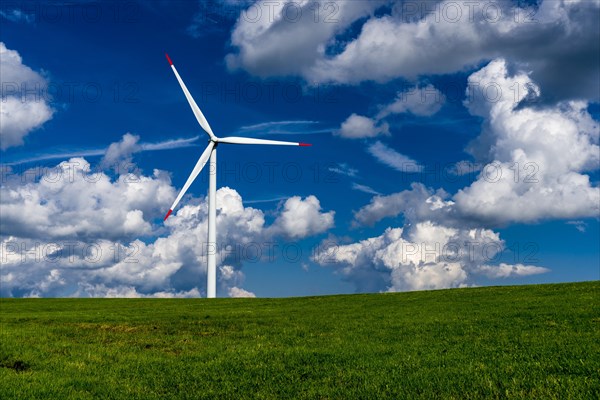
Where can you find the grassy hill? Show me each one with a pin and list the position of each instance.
(539, 341)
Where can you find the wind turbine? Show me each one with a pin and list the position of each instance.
(211, 153)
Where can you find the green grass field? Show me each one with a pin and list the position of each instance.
(527, 342)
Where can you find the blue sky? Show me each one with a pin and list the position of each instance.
(449, 149)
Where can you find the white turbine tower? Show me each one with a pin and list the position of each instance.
(211, 152)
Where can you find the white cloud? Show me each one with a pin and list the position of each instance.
(285, 37)
(364, 188)
(417, 204)
(438, 37)
(357, 127)
(169, 144)
(301, 218)
(18, 118)
(121, 151)
(72, 201)
(534, 161)
(239, 292)
(20, 113)
(230, 279)
(230, 274)
(393, 159)
(61, 155)
(421, 256)
(389, 47)
(394, 46)
(549, 148)
(74, 232)
(46, 267)
(343, 169)
(103, 291)
(537, 157)
(421, 101)
(14, 71)
(507, 270)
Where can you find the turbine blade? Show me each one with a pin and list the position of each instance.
(199, 116)
(199, 165)
(242, 140)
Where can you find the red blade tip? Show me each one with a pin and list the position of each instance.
(305, 144)
(167, 216)
(169, 59)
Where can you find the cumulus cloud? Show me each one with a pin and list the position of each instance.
(394, 46)
(179, 258)
(230, 276)
(286, 37)
(532, 160)
(75, 232)
(18, 118)
(20, 113)
(358, 127)
(538, 158)
(535, 148)
(423, 38)
(421, 256)
(73, 201)
(302, 217)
